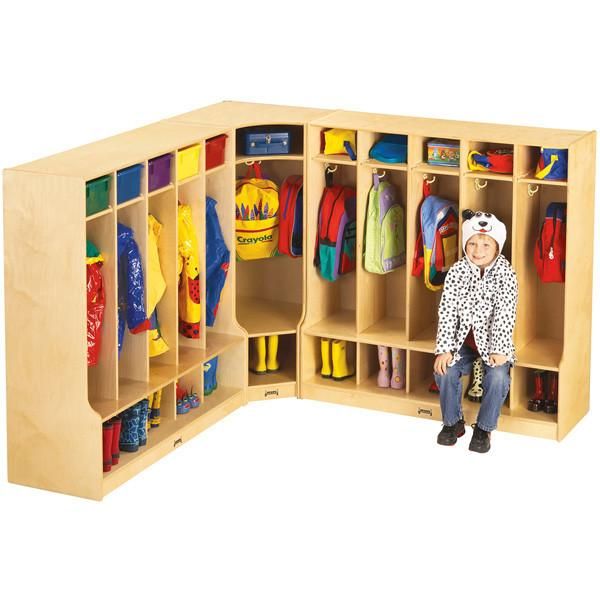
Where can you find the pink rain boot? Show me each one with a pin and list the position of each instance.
(383, 377)
(398, 381)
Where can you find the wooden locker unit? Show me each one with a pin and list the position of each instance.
(55, 416)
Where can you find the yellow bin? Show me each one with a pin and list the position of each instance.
(188, 162)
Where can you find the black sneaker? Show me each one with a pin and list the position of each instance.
(480, 442)
(450, 433)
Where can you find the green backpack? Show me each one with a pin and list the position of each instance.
(385, 241)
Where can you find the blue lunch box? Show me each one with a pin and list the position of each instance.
(267, 142)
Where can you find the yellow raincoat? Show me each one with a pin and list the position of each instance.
(156, 288)
(190, 312)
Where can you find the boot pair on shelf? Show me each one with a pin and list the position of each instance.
(210, 375)
(134, 427)
(265, 354)
(545, 395)
(393, 375)
(334, 362)
(111, 432)
(184, 401)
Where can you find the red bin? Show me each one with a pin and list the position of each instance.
(215, 151)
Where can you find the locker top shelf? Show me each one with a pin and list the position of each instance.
(443, 128)
(245, 114)
(122, 150)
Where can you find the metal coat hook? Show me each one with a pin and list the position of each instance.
(330, 169)
(425, 176)
(381, 176)
(531, 191)
(249, 163)
(479, 185)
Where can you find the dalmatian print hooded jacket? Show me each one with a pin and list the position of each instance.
(487, 302)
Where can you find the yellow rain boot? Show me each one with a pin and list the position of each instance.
(325, 357)
(272, 345)
(340, 364)
(260, 349)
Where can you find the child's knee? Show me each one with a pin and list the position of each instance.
(497, 375)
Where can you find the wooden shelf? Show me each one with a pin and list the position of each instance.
(424, 341)
(189, 179)
(341, 325)
(529, 178)
(130, 202)
(335, 159)
(191, 358)
(259, 316)
(325, 383)
(286, 374)
(216, 169)
(488, 175)
(424, 167)
(370, 387)
(388, 331)
(162, 190)
(540, 353)
(100, 214)
(240, 160)
(375, 164)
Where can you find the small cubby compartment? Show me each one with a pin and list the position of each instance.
(331, 305)
(272, 362)
(329, 361)
(161, 172)
(440, 152)
(214, 149)
(270, 140)
(498, 164)
(490, 196)
(138, 427)
(534, 394)
(383, 150)
(381, 305)
(529, 158)
(422, 303)
(539, 331)
(382, 369)
(188, 162)
(129, 183)
(99, 195)
(338, 146)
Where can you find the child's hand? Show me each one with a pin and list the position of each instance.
(440, 364)
(497, 359)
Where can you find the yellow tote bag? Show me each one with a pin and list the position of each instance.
(257, 216)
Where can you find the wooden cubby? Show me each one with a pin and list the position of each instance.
(55, 416)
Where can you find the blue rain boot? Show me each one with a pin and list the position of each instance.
(130, 438)
(210, 375)
(143, 422)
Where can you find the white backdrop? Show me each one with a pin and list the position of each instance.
(291, 499)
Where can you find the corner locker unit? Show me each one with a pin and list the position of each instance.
(55, 419)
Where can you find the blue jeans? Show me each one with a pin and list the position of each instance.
(496, 382)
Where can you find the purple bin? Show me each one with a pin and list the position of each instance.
(159, 172)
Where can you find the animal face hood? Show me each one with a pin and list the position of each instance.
(482, 222)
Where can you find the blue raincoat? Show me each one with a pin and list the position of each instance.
(132, 303)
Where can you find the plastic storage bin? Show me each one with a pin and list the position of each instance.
(159, 172)
(129, 183)
(188, 162)
(215, 151)
(443, 152)
(97, 194)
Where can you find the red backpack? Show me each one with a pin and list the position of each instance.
(551, 246)
(290, 216)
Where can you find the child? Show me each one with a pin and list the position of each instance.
(476, 317)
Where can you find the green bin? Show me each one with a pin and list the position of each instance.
(97, 193)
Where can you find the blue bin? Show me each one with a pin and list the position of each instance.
(129, 183)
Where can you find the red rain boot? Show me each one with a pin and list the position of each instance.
(116, 453)
(107, 441)
(551, 404)
(536, 402)
(433, 388)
